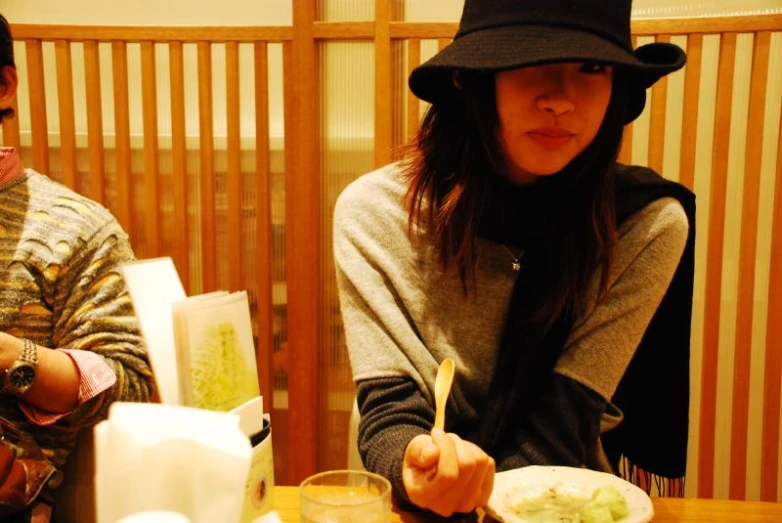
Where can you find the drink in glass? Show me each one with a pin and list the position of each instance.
(345, 496)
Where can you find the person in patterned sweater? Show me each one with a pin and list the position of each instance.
(70, 343)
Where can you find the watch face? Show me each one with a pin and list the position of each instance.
(21, 377)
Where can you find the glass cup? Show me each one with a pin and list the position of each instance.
(345, 496)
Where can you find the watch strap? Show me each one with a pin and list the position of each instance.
(29, 352)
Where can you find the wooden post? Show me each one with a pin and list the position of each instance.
(302, 244)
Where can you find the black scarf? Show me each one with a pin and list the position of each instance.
(654, 392)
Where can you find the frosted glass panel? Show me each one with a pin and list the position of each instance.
(346, 10)
(347, 124)
(355, 10)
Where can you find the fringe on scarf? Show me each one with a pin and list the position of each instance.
(652, 484)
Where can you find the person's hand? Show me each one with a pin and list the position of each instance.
(445, 474)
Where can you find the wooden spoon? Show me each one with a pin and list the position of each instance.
(442, 387)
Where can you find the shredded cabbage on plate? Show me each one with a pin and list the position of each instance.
(560, 504)
(535, 494)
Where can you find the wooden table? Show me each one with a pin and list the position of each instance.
(666, 510)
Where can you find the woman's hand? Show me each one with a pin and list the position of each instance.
(445, 474)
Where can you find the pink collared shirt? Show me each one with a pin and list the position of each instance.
(95, 374)
(10, 165)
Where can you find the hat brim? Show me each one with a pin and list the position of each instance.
(515, 46)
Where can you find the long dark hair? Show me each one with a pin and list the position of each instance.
(454, 162)
(6, 58)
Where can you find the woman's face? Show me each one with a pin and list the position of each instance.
(549, 114)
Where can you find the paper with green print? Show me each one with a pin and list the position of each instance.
(215, 350)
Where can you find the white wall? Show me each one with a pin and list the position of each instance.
(450, 10)
(279, 12)
(669, 8)
(148, 12)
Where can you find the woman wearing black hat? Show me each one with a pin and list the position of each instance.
(510, 240)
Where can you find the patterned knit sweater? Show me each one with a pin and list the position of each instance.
(60, 287)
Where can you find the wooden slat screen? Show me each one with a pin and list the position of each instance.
(729, 151)
(233, 173)
(181, 254)
(65, 103)
(657, 120)
(714, 263)
(302, 244)
(747, 264)
(692, 76)
(383, 83)
(413, 104)
(94, 121)
(122, 151)
(38, 122)
(151, 156)
(281, 361)
(263, 211)
(206, 209)
(772, 383)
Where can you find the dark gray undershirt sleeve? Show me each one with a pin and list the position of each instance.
(393, 412)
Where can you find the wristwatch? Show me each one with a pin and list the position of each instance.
(21, 375)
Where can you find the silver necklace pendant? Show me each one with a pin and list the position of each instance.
(515, 265)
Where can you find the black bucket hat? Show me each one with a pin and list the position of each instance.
(497, 35)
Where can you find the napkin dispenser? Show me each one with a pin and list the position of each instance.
(162, 457)
(259, 494)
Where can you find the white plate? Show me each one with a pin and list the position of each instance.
(534, 480)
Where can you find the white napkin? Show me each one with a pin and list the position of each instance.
(163, 457)
(155, 516)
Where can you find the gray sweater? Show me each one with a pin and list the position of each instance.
(403, 314)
